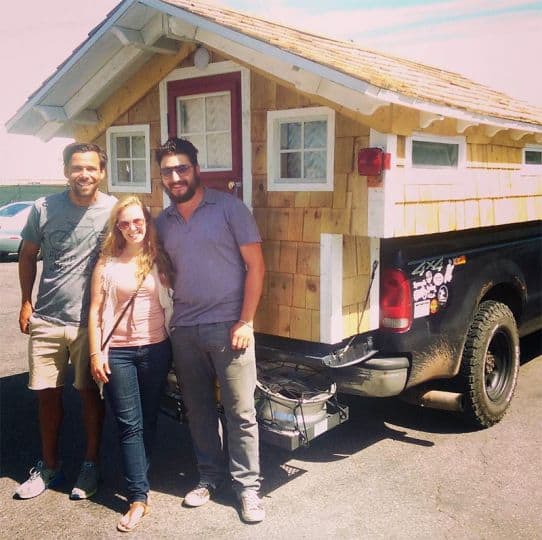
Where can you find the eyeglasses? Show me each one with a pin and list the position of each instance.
(167, 172)
(125, 225)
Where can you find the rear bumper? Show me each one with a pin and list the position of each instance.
(376, 377)
(356, 368)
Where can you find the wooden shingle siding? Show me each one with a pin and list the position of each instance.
(493, 189)
(291, 223)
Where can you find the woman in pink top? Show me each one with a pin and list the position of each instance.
(133, 272)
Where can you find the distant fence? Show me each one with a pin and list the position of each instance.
(27, 192)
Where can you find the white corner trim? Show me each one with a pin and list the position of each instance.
(331, 288)
(374, 296)
(217, 68)
(381, 199)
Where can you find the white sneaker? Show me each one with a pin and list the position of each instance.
(40, 479)
(199, 496)
(252, 510)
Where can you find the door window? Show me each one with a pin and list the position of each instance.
(205, 120)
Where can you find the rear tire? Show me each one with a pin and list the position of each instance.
(490, 364)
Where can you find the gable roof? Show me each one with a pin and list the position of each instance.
(340, 71)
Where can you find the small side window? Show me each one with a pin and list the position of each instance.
(300, 149)
(433, 151)
(532, 156)
(128, 168)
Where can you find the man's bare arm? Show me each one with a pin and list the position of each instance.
(242, 331)
(28, 257)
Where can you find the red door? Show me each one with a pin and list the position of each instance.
(207, 112)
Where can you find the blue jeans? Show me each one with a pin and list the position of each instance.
(135, 385)
(202, 354)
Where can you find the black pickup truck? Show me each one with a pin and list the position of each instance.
(452, 309)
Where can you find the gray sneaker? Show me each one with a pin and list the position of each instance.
(252, 510)
(39, 480)
(200, 495)
(87, 482)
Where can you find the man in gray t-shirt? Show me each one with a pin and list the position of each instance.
(66, 228)
(214, 244)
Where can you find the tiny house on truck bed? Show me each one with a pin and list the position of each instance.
(334, 147)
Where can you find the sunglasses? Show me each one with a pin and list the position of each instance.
(125, 225)
(167, 172)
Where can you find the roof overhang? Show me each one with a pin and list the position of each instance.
(137, 29)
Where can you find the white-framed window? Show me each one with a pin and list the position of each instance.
(532, 157)
(205, 120)
(435, 151)
(128, 167)
(300, 149)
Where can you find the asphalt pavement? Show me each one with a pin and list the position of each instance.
(392, 471)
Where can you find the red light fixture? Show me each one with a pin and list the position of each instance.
(372, 161)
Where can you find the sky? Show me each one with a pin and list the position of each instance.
(494, 42)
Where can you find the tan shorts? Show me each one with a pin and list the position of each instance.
(51, 348)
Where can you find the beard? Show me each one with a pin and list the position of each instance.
(191, 187)
(86, 191)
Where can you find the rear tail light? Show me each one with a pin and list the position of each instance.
(395, 301)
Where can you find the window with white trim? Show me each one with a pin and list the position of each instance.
(532, 156)
(128, 168)
(300, 149)
(205, 120)
(435, 151)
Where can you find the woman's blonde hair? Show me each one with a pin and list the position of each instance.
(152, 251)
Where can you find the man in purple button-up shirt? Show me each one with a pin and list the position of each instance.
(214, 244)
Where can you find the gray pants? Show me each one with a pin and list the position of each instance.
(202, 354)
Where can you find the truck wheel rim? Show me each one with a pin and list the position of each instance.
(497, 365)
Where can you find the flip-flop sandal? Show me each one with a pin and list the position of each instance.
(132, 522)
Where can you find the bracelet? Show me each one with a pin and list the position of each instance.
(93, 354)
(246, 323)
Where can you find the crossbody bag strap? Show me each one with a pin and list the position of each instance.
(119, 318)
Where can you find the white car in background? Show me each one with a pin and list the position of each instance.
(13, 218)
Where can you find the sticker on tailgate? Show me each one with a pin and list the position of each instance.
(431, 283)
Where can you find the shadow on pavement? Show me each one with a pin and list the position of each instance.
(173, 468)
(530, 347)
(372, 420)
